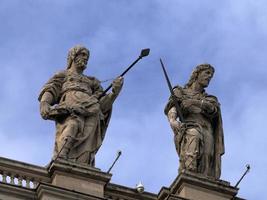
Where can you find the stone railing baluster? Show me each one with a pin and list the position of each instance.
(19, 181)
(35, 183)
(27, 182)
(12, 179)
(4, 180)
(22, 174)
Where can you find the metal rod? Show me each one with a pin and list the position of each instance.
(118, 155)
(247, 170)
(144, 53)
(61, 148)
(108, 88)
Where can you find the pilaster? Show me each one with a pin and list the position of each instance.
(78, 178)
(194, 186)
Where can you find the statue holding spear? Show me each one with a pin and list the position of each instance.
(195, 119)
(79, 107)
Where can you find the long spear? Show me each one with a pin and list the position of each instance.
(176, 104)
(144, 52)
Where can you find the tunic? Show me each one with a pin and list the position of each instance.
(199, 142)
(85, 118)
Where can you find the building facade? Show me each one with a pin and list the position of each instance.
(63, 180)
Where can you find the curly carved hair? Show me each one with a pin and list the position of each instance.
(197, 71)
(73, 52)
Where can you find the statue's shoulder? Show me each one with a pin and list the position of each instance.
(212, 98)
(60, 74)
(93, 79)
(57, 77)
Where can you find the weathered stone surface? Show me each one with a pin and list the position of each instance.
(56, 183)
(22, 174)
(165, 194)
(198, 187)
(77, 104)
(51, 192)
(62, 180)
(199, 137)
(13, 192)
(194, 186)
(79, 178)
(114, 191)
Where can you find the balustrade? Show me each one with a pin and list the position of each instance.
(22, 174)
(19, 180)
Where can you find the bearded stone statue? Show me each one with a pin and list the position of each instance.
(80, 110)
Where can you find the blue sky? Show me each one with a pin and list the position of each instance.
(230, 35)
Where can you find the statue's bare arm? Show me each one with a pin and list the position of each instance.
(172, 117)
(107, 101)
(45, 104)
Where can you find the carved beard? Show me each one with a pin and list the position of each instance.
(80, 63)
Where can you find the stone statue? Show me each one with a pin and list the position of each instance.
(76, 104)
(199, 140)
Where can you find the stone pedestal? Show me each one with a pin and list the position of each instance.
(197, 187)
(78, 178)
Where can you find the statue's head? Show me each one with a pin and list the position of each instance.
(79, 55)
(201, 74)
